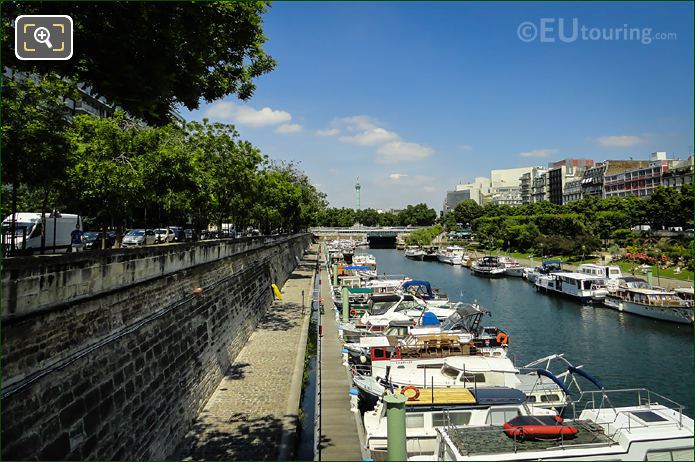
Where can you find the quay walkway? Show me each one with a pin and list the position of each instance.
(339, 435)
(253, 413)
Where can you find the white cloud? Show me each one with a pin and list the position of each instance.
(397, 176)
(399, 151)
(538, 153)
(288, 128)
(465, 147)
(619, 141)
(327, 132)
(429, 189)
(371, 137)
(227, 111)
(356, 123)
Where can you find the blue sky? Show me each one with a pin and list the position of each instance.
(414, 98)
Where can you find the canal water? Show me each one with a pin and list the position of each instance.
(622, 350)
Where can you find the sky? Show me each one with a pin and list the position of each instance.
(414, 98)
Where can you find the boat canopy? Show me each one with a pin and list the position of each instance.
(499, 395)
(356, 267)
(554, 378)
(589, 377)
(552, 262)
(419, 285)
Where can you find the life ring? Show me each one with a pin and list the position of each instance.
(354, 313)
(502, 338)
(411, 387)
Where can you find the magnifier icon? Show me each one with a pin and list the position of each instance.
(42, 35)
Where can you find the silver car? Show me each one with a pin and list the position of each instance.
(138, 237)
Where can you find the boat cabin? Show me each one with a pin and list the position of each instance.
(602, 271)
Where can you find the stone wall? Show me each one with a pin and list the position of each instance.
(119, 364)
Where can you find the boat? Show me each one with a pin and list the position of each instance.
(424, 291)
(430, 408)
(579, 286)
(451, 255)
(430, 254)
(655, 428)
(516, 271)
(546, 267)
(611, 275)
(414, 253)
(655, 303)
(488, 266)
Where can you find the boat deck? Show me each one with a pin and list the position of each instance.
(429, 396)
(474, 441)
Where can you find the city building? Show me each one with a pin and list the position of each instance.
(680, 173)
(593, 177)
(572, 191)
(562, 172)
(476, 190)
(505, 185)
(526, 183)
(642, 180)
(539, 188)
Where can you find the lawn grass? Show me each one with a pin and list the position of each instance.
(626, 268)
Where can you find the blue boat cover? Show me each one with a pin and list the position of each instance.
(430, 319)
(554, 378)
(355, 267)
(552, 262)
(589, 377)
(498, 395)
(415, 283)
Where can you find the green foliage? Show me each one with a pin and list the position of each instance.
(424, 236)
(467, 211)
(149, 57)
(417, 215)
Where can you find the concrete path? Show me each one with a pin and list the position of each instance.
(253, 413)
(339, 435)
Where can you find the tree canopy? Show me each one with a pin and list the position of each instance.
(149, 57)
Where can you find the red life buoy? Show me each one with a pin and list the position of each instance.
(502, 338)
(411, 387)
(354, 313)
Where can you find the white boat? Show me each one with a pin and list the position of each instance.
(439, 407)
(423, 290)
(579, 286)
(516, 271)
(655, 428)
(488, 266)
(654, 303)
(414, 253)
(452, 255)
(611, 274)
(462, 371)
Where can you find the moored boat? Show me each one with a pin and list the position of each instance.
(654, 303)
(488, 266)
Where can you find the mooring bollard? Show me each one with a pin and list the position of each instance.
(395, 426)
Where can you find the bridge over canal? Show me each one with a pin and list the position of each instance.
(378, 237)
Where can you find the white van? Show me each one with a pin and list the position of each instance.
(29, 225)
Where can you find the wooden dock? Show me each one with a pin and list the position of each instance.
(340, 437)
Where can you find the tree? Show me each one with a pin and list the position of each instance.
(368, 217)
(34, 142)
(663, 207)
(417, 215)
(149, 57)
(467, 211)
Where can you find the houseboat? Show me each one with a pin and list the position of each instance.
(654, 303)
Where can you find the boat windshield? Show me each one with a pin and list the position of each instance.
(450, 371)
(451, 322)
(379, 308)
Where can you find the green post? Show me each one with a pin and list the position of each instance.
(649, 277)
(346, 304)
(335, 275)
(395, 426)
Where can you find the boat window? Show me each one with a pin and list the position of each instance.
(676, 454)
(477, 378)
(615, 271)
(587, 284)
(500, 416)
(648, 416)
(378, 353)
(414, 420)
(531, 399)
(549, 398)
(450, 372)
(443, 419)
(381, 308)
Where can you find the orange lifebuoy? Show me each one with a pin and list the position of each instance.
(354, 313)
(502, 338)
(411, 387)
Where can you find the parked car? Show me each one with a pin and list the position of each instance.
(188, 234)
(139, 237)
(179, 236)
(164, 235)
(92, 240)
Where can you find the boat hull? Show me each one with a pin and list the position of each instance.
(680, 315)
(586, 300)
(417, 257)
